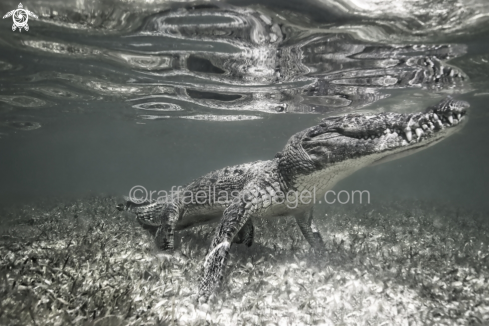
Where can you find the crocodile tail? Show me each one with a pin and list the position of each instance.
(130, 205)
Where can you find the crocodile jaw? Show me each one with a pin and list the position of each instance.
(353, 136)
(339, 146)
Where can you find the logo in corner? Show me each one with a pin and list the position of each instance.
(20, 16)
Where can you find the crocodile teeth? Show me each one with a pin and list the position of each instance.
(450, 119)
(387, 131)
(435, 116)
(409, 134)
(458, 116)
(425, 127)
(440, 124)
(432, 126)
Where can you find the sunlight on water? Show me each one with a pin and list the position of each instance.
(225, 58)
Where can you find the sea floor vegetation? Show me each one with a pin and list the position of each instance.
(82, 262)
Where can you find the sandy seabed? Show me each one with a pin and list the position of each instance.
(402, 263)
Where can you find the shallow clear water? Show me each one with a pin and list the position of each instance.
(97, 97)
(100, 96)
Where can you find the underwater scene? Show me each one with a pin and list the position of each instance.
(244, 162)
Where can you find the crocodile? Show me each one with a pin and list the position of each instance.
(312, 162)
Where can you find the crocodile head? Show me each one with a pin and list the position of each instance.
(342, 145)
(383, 135)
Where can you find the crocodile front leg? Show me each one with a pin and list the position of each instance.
(309, 230)
(233, 220)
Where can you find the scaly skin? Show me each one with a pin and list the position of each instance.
(313, 160)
